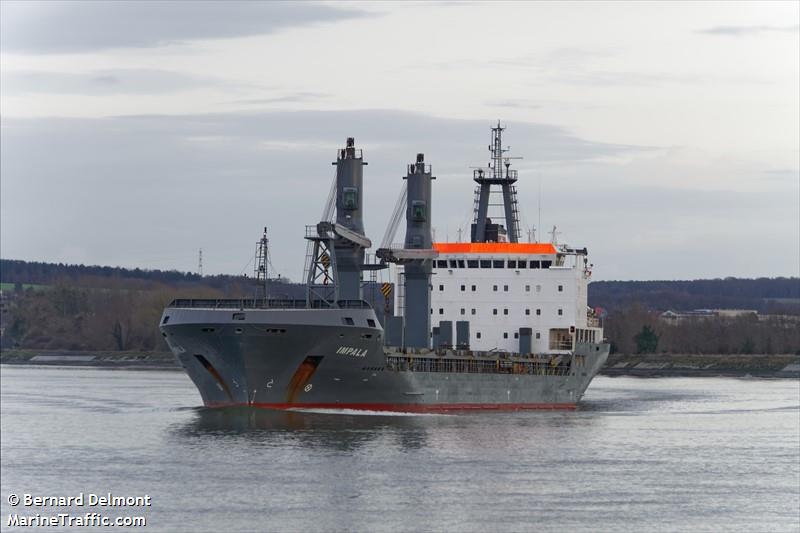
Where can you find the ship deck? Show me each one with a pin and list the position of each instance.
(262, 303)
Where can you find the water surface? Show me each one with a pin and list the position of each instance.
(668, 454)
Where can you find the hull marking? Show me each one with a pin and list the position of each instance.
(302, 376)
(215, 374)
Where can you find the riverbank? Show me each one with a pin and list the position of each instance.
(737, 365)
(756, 365)
(128, 360)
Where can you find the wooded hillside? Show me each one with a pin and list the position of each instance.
(79, 307)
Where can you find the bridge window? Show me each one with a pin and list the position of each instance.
(419, 210)
(460, 263)
(472, 263)
(370, 323)
(441, 263)
(535, 264)
(453, 263)
(485, 263)
(522, 264)
(350, 198)
(348, 321)
(498, 264)
(512, 264)
(546, 264)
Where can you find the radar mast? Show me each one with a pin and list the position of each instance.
(497, 172)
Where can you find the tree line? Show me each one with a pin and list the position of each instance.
(110, 308)
(765, 295)
(635, 329)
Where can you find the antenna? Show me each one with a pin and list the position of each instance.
(459, 234)
(261, 265)
(540, 201)
(554, 236)
(200, 262)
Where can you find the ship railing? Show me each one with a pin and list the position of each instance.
(486, 174)
(312, 232)
(562, 344)
(412, 168)
(261, 303)
(556, 366)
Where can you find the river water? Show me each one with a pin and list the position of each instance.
(667, 454)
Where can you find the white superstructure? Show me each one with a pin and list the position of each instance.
(509, 290)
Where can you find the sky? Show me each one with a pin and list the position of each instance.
(663, 136)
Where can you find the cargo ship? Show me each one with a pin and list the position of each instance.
(490, 323)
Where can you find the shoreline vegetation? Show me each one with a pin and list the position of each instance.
(663, 365)
(718, 325)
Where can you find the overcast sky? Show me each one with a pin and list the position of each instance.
(665, 137)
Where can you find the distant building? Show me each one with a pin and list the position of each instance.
(675, 317)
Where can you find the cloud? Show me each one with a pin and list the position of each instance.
(68, 27)
(570, 66)
(105, 82)
(783, 175)
(514, 104)
(298, 96)
(167, 185)
(748, 30)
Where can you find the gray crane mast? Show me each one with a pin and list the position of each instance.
(349, 214)
(418, 271)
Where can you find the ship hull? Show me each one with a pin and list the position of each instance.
(335, 359)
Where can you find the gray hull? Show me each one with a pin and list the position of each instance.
(335, 358)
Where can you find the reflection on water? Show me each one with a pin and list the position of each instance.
(343, 432)
(678, 454)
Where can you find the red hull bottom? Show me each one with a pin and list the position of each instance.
(411, 408)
